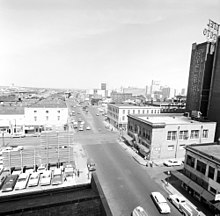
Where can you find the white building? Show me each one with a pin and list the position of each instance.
(46, 115)
(117, 114)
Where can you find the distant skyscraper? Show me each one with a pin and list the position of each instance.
(200, 77)
(103, 86)
(155, 86)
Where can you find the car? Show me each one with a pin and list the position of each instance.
(45, 178)
(173, 162)
(18, 135)
(41, 168)
(68, 174)
(9, 183)
(80, 128)
(2, 180)
(34, 179)
(22, 181)
(88, 128)
(91, 164)
(160, 202)
(139, 211)
(17, 172)
(57, 177)
(97, 114)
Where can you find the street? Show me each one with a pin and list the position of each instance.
(126, 183)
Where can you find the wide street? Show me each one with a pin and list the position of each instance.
(126, 183)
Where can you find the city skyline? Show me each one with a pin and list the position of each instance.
(76, 44)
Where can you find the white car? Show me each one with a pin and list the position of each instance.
(34, 179)
(80, 128)
(88, 128)
(173, 162)
(45, 178)
(22, 181)
(97, 114)
(139, 211)
(161, 202)
(41, 168)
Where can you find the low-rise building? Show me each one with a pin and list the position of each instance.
(117, 113)
(201, 174)
(46, 115)
(165, 136)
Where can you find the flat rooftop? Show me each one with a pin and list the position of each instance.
(49, 103)
(211, 149)
(167, 119)
(131, 106)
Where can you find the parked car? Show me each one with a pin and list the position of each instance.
(41, 168)
(45, 178)
(22, 181)
(2, 180)
(91, 165)
(57, 177)
(9, 183)
(173, 162)
(88, 128)
(160, 202)
(34, 179)
(80, 128)
(139, 211)
(17, 172)
(97, 114)
(68, 174)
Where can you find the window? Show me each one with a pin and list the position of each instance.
(143, 111)
(155, 111)
(123, 111)
(158, 111)
(47, 111)
(35, 111)
(201, 167)
(205, 134)
(35, 118)
(58, 118)
(47, 118)
(170, 147)
(128, 111)
(133, 111)
(58, 111)
(171, 135)
(212, 190)
(194, 134)
(218, 176)
(183, 135)
(211, 172)
(190, 161)
(123, 118)
(147, 111)
(152, 111)
(138, 111)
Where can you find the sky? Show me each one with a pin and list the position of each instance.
(82, 43)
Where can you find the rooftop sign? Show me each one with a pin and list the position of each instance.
(211, 32)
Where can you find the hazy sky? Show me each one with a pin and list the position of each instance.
(81, 43)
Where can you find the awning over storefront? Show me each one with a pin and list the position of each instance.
(207, 195)
(196, 187)
(143, 148)
(128, 139)
(181, 177)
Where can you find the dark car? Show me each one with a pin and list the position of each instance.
(9, 183)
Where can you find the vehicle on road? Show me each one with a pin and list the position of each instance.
(81, 128)
(173, 162)
(34, 179)
(97, 114)
(181, 204)
(9, 183)
(160, 202)
(91, 164)
(57, 177)
(88, 128)
(68, 174)
(45, 178)
(139, 211)
(22, 181)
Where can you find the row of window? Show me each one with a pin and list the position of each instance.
(47, 118)
(201, 167)
(47, 111)
(143, 111)
(184, 135)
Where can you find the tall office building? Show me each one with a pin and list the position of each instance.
(200, 74)
(103, 86)
(213, 112)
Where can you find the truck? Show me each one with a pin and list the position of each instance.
(183, 206)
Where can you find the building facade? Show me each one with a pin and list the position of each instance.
(117, 113)
(201, 174)
(120, 97)
(165, 136)
(46, 115)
